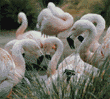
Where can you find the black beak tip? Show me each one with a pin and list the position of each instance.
(80, 38)
(23, 54)
(70, 42)
(40, 59)
(48, 57)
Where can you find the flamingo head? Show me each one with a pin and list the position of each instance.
(78, 28)
(21, 17)
(47, 47)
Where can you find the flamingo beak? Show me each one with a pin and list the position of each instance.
(40, 59)
(70, 42)
(48, 56)
(23, 54)
(80, 38)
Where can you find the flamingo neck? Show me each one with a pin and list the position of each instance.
(67, 22)
(53, 25)
(23, 27)
(100, 25)
(99, 20)
(106, 37)
(56, 11)
(9, 46)
(84, 52)
(54, 61)
(19, 61)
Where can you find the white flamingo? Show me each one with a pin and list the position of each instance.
(56, 11)
(35, 35)
(12, 68)
(53, 25)
(52, 22)
(97, 58)
(48, 43)
(72, 65)
(107, 36)
(100, 26)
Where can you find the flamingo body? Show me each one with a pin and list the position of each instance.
(12, 68)
(97, 58)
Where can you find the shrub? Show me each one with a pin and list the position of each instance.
(10, 9)
(102, 8)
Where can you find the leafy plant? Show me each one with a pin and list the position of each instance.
(10, 9)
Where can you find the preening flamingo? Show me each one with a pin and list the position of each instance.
(52, 23)
(97, 58)
(12, 68)
(100, 26)
(56, 11)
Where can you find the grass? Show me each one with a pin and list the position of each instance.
(92, 88)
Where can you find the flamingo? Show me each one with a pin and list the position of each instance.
(12, 68)
(56, 11)
(69, 65)
(48, 43)
(106, 37)
(53, 25)
(97, 58)
(100, 26)
(51, 22)
(35, 35)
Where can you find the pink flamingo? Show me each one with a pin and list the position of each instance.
(35, 35)
(68, 65)
(52, 22)
(12, 68)
(56, 11)
(99, 56)
(106, 37)
(48, 43)
(100, 26)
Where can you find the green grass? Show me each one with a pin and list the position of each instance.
(94, 88)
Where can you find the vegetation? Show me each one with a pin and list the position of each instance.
(92, 88)
(102, 8)
(10, 9)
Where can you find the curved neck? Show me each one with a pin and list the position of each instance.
(23, 27)
(99, 20)
(56, 24)
(9, 46)
(19, 61)
(56, 11)
(106, 37)
(84, 52)
(66, 23)
(54, 61)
